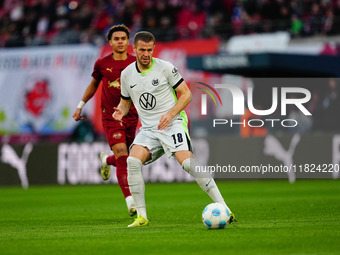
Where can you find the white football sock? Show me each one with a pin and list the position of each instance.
(136, 184)
(204, 180)
(104, 159)
(130, 202)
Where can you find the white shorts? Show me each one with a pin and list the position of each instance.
(174, 138)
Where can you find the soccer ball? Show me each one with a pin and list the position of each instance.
(215, 215)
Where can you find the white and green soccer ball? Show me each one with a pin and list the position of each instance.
(215, 216)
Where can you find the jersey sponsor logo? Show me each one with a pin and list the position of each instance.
(147, 101)
(155, 82)
(114, 84)
(132, 86)
(109, 69)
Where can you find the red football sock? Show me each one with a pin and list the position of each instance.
(122, 175)
(111, 160)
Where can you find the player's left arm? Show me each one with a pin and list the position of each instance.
(125, 101)
(122, 109)
(184, 99)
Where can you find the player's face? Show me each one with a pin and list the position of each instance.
(119, 42)
(144, 52)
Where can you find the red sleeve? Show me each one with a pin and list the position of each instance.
(96, 71)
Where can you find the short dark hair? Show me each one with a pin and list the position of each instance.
(116, 28)
(144, 36)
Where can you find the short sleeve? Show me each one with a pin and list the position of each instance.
(174, 77)
(96, 71)
(123, 86)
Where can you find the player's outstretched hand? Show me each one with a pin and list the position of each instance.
(117, 115)
(164, 122)
(76, 115)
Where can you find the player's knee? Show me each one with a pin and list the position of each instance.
(120, 149)
(186, 164)
(191, 166)
(133, 164)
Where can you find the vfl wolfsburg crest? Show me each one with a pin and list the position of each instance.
(155, 82)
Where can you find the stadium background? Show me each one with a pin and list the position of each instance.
(47, 53)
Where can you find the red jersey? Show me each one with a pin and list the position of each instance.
(108, 71)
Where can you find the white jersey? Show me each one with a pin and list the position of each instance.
(152, 92)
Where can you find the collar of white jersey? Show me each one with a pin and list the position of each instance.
(145, 72)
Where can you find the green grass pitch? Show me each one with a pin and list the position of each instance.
(274, 217)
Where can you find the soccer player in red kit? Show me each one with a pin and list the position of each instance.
(119, 135)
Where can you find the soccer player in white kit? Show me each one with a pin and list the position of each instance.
(152, 85)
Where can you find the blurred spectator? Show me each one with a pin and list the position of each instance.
(238, 17)
(101, 19)
(315, 108)
(15, 37)
(218, 20)
(296, 26)
(130, 8)
(296, 8)
(324, 106)
(331, 106)
(148, 11)
(313, 25)
(191, 20)
(284, 19)
(328, 27)
(64, 35)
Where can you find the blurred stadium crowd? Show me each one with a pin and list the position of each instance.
(44, 22)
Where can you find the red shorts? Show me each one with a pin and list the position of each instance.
(117, 132)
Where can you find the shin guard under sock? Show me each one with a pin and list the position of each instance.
(136, 184)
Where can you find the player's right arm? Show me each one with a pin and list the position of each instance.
(122, 109)
(88, 94)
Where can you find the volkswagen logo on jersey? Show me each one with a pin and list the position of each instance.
(147, 101)
(155, 82)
